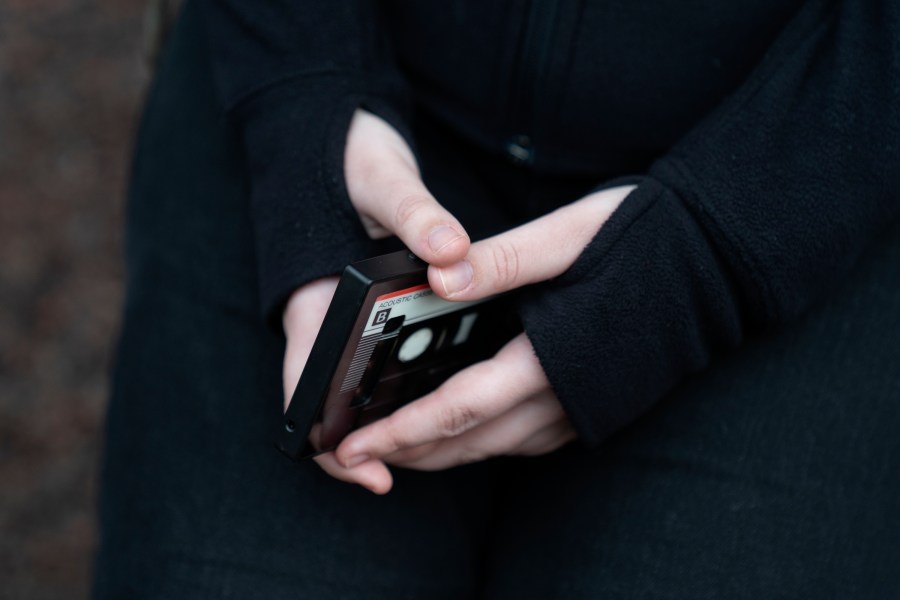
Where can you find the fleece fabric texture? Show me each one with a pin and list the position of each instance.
(744, 224)
(767, 135)
(291, 75)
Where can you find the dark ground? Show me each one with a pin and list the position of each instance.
(71, 80)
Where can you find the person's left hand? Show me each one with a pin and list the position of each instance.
(500, 406)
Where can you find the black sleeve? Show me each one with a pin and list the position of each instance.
(743, 225)
(290, 75)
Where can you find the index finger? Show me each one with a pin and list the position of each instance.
(533, 252)
(472, 396)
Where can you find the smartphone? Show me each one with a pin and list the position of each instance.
(387, 339)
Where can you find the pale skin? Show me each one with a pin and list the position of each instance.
(501, 406)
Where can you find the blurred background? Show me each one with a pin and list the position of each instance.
(72, 75)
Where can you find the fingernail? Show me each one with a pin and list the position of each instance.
(456, 278)
(356, 460)
(441, 237)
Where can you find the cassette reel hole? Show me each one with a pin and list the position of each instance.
(415, 345)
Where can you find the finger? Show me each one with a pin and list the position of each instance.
(472, 396)
(455, 451)
(502, 435)
(547, 440)
(302, 320)
(397, 200)
(536, 251)
(386, 189)
(372, 475)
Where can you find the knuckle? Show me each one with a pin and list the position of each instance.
(407, 208)
(457, 419)
(394, 438)
(506, 264)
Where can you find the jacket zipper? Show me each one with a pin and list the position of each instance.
(529, 77)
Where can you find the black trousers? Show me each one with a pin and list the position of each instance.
(775, 474)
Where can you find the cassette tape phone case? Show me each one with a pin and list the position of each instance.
(386, 340)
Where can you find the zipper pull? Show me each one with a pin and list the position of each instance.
(518, 150)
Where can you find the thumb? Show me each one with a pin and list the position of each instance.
(386, 189)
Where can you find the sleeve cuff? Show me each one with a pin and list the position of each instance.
(647, 302)
(305, 226)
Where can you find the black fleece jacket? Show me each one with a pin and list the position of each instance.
(766, 135)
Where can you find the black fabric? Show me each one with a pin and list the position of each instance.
(197, 501)
(669, 292)
(597, 87)
(763, 207)
(767, 132)
(769, 474)
(292, 75)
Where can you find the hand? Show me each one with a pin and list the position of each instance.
(386, 190)
(500, 406)
(302, 320)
